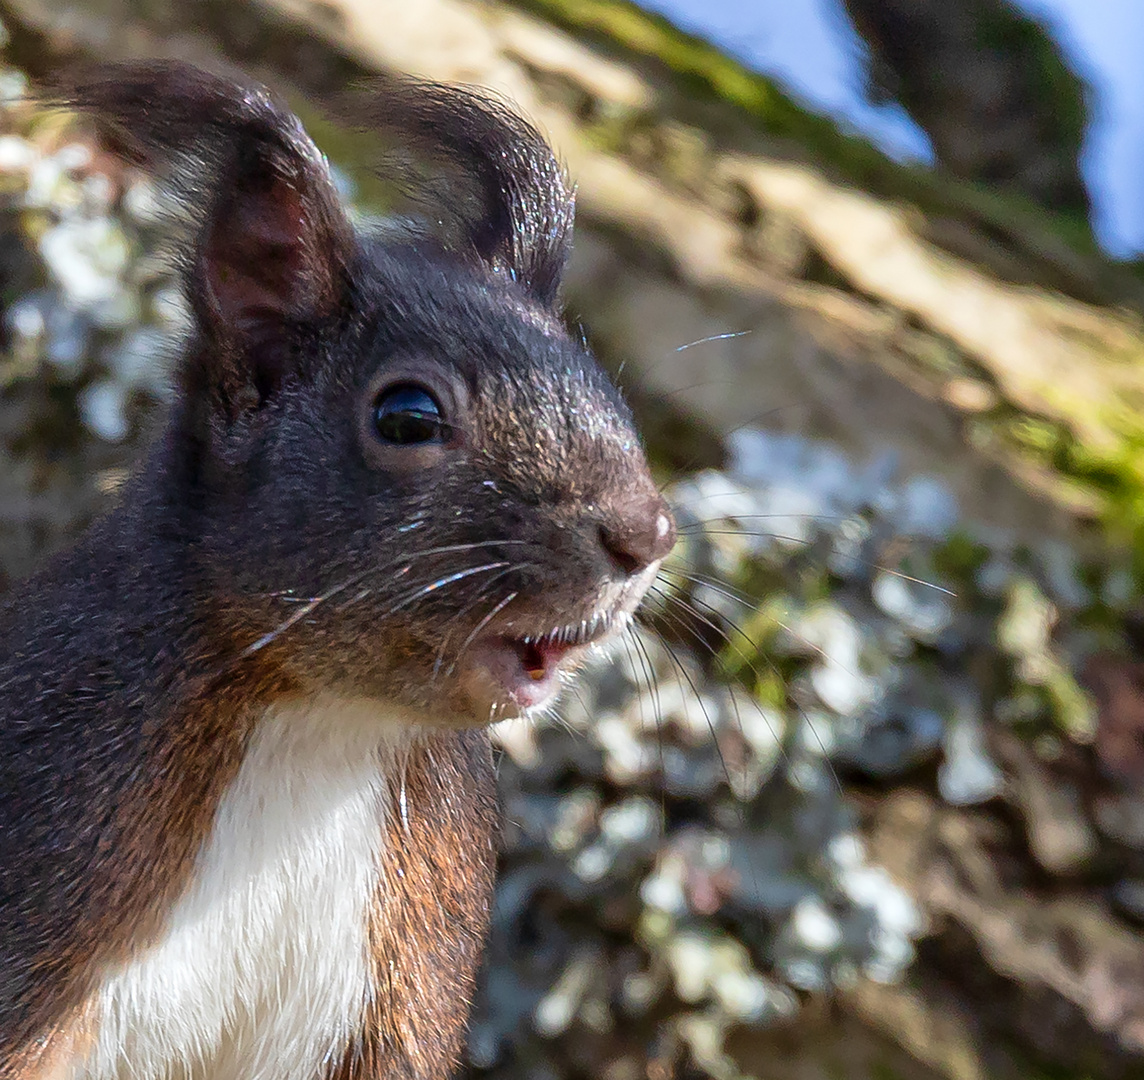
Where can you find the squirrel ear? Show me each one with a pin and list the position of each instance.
(273, 247)
(521, 223)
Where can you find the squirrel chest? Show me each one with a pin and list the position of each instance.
(313, 916)
(262, 968)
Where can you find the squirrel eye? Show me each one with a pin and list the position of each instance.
(407, 414)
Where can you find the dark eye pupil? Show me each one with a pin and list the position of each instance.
(408, 414)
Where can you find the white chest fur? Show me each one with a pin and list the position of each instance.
(262, 972)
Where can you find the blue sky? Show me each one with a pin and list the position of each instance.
(809, 46)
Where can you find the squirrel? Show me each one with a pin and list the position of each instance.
(248, 822)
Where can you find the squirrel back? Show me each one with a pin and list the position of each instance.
(246, 791)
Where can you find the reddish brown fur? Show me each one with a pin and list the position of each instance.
(162, 824)
(437, 872)
(431, 911)
(48, 1055)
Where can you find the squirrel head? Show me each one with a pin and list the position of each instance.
(391, 467)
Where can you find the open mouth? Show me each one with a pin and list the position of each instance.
(535, 677)
(526, 669)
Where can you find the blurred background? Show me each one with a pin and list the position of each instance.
(815, 51)
(864, 801)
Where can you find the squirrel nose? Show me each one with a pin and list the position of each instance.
(638, 535)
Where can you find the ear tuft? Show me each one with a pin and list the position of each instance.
(273, 248)
(522, 221)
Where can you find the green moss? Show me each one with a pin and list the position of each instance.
(1114, 473)
(959, 558)
(703, 73)
(1110, 476)
(737, 659)
(881, 1071)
